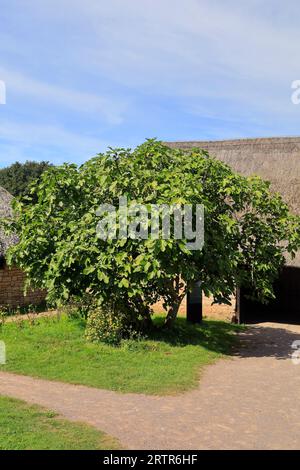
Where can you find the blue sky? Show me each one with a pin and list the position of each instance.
(83, 75)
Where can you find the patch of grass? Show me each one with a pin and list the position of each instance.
(27, 427)
(165, 363)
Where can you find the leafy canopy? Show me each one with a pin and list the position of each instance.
(247, 229)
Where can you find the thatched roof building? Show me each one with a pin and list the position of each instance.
(274, 159)
(5, 212)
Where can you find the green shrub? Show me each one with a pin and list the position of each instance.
(109, 325)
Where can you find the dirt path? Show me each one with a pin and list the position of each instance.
(250, 402)
(30, 316)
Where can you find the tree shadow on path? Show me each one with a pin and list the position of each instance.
(268, 341)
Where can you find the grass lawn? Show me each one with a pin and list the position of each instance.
(27, 427)
(167, 362)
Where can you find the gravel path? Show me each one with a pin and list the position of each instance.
(249, 402)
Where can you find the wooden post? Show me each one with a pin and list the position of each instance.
(238, 312)
(194, 304)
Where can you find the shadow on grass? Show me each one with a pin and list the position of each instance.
(214, 335)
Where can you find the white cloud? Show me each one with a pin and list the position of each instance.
(194, 48)
(142, 38)
(60, 143)
(111, 109)
(229, 63)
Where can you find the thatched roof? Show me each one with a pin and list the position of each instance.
(274, 159)
(5, 212)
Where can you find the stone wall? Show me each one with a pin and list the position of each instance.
(12, 289)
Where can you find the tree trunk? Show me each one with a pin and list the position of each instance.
(147, 322)
(145, 313)
(178, 297)
(172, 314)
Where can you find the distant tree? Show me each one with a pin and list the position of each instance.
(18, 177)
